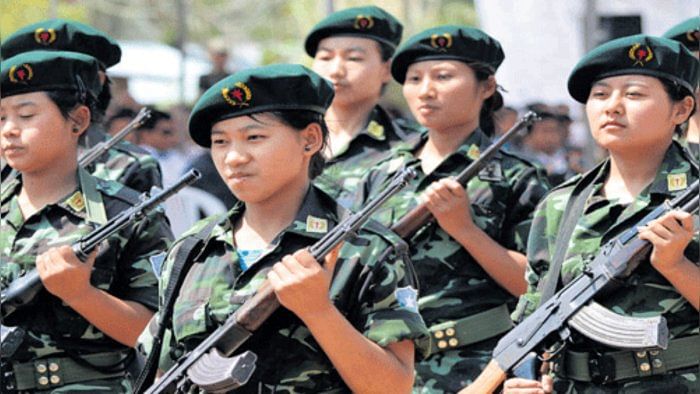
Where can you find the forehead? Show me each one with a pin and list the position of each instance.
(261, 120)
(439, 64)
(630, 79)
(348, 43)
(38, 98)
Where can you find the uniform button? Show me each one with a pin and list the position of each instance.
(657, 363)
(654, 352)
(43, 381)
(439, 334)
(53, 367)
(450, 332)
(644, 367)
(442, 344)
(41, 368)
(454, 342)
(55, 379)
(641, 354)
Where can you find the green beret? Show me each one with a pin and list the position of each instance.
(687, 32)
(448, 42)
(367, 22)
(38, 71)
(63, 35)
(638, 54)
(278, 87)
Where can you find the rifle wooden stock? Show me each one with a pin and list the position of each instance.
(420, 215)
(489, 381)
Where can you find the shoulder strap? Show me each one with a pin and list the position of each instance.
(184, 258)
(572, 212)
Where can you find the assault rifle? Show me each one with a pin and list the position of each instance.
(421, 215)
(616, 259)
(98, 150)
(22, 290)
(208, 365)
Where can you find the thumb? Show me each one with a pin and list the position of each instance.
(332, 258)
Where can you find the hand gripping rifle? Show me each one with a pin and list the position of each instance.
(421, 215)
(208, 365)
(98, 150)
(615, 260)
(22, 290)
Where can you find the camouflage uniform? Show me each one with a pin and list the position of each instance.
(453, 285)
(645, 293)
(375, 294)
(125, 163)
(345, 169)
(124, 268)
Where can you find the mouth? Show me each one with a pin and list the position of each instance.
(11, 149)
(612, 125)
(427, 108)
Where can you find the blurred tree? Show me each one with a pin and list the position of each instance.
(16, 14)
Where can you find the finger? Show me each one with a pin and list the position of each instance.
(305, 259)
(283, 269)
(660, 229)
(547, 384)
(331, 258)
(648, 235)
(519, 383)
(684, 219)
(454, 187)
(275, 281)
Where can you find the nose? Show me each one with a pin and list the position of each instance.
(8, 128)
(337, 68)
(426, 89)
(613, 105)
(236, 156)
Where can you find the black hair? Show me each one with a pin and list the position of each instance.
(105, 96)
(492, 104)
(152, 121)
(385, 51)
(298, 120)
(120, 114)
(67, 101)
(677, 93)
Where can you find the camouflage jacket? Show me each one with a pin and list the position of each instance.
(344, 171)
(374, 290)
(646, 292)
(504, 194)
(123, 267)
(125, 163)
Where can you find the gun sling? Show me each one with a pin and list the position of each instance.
(53, 372)
(471, 329)
(621, 365)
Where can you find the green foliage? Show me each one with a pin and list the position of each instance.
(17, 13)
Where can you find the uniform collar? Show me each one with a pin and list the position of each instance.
(470, 148)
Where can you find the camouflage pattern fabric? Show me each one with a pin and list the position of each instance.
(124, 162)
(452, 284)
(124, 267)
(374, 290)
(345, 169)
(645, 293)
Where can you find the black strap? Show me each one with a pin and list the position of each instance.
(572, 212)
(184, 258)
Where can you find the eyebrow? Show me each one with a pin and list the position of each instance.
(239, 130)
(626, 84)
(351, 49)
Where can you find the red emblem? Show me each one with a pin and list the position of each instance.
(237, 96)
(363, 22)
(21, 74)
(441, 41)
(640, 54)
(44, 36)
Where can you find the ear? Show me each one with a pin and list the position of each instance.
(385, 71)
(80, 119)
(312, 139)
(682, 109)
(488, 87)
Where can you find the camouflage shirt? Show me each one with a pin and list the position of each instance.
(374, 290)
(452, 284)
(125, 163)
(123, 267)
(646, 292)
(344, 171)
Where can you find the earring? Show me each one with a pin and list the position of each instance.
(307, 148)
(76, 129)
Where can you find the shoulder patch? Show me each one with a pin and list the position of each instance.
(407, 297)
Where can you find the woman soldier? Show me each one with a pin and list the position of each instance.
(79, 332)
(638, 90)
(348, 328)
(471, 264)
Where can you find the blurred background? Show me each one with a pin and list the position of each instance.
(175, 49)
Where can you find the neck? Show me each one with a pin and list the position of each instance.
(694, 128)
(348, 120)
(629, 175)
(269, 217)
(46, 187)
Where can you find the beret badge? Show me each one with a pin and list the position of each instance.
(237, 96)
(21, 74)
(44, 36)
(640, 54)
(441, 41)
(363, 22)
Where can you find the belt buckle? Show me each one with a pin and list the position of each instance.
(7, 377)
(601, 368)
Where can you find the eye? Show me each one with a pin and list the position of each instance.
(634, 93)
(26, 116)
(255, 137)
(412, 78)
(356, 59)
(444, 76)
(218, 141)
(598, 93)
